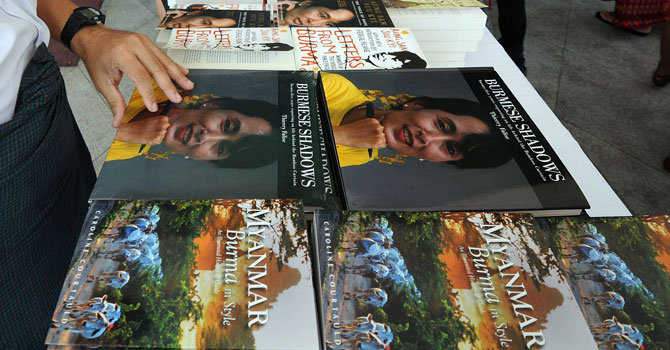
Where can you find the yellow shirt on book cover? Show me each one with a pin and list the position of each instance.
(125, 150)
(341, 96)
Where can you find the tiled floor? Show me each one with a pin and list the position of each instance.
(597, 80)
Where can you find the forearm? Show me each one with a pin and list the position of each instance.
(55, 13)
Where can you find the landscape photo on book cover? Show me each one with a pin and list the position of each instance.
(443, 281)
(332, 13)
(237, 134)
(215, 19)
(440, 139)
(214, 274)
(356, 48)
(619, 269)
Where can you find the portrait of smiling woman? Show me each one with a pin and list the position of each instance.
(438, 130)
(198, 19)
(225, 131)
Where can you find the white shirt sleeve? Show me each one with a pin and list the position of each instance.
(22, 32)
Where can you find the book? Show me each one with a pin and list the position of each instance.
(445, 35)
(229, 59)
(215, 274)
(449, 46)
(432, 3)
(441, 139)
(253, 6)
(356, 48)
(619, 272)
(215, 19)
(238, 134)
(334, 13)
(436, 280)
(466, 18)
(237, 39)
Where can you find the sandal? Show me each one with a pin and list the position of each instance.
(660, 80)
(630, 30)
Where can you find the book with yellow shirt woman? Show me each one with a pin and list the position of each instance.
(441, 139)
(237, 134)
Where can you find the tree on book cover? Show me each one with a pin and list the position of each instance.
(215, 19)
(443, 281)
(215, 274)
(356, 48)
(333, 13)
(224, 140)
(441, 139)
(619, 269)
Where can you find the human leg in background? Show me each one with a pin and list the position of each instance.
(662, 73)
(512, 23)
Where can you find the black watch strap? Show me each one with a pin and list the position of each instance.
(80, 17)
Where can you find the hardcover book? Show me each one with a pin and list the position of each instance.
(208, 18)
(441, 139)
(234, 39)
(210, 274)
(356, 48)
(443, 281)
(238, 134)
(432, 3)
(332, 13)
(619, 271)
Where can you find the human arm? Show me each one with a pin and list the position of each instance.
(108, 54)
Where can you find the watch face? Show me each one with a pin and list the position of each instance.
(90, 15)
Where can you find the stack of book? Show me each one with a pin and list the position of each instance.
(349, 209)
(445, 30)
(362, 34)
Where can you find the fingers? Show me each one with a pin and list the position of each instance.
(376, 131)
(175, 71)
(115, 101)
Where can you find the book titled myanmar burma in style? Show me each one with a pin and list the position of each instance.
(237, 134)
(441, 139)
(490, 281)
(210, 274)
(327, 48)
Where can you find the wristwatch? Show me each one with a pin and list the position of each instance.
(80, 17)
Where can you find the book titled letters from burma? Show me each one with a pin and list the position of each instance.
(238, 134)
(441, 139)
(206, 274)
(492, 281)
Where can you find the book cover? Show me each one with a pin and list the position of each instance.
(215, 19)
(432, 3)
(257, 6)
(237, 134)
(233, 59)
(619, 272)
(443, 281)
(339, 48)
(235, 39)
(210, 274)
(464, 18)
(441, 139)
(332, 13)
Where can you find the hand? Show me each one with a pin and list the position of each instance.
(108, 54)
(148, 131)
(288, 4)
(362, 133)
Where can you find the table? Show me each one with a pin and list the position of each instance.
(602, 198)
